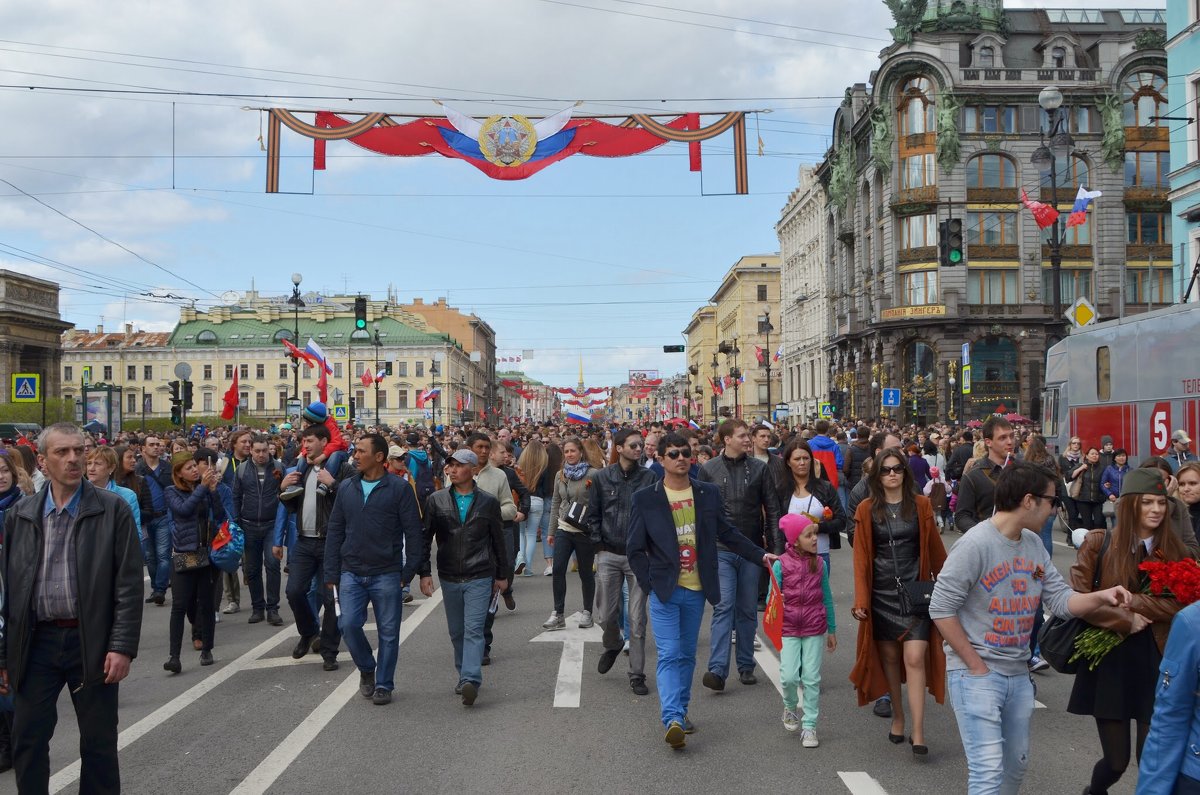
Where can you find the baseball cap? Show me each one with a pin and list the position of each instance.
(1181, 436)
(395, 451)
(465, 457)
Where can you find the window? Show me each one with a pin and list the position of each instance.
(306, 397)
(131, 372)
(68, 373)
(762, 292)
(917, 171)
(990, 119)
(1103, 373)
(283, 396)
(148, 372)
(283, 370)
(991, 229)
(402, 400)
(244, 371)
(337, 369)
(420, 368)
(1148, 229)
(916, 231)
(762, 393)
(282, 334)
(1085, 119)
(403, 369)
(108, 376)
(260, 401)
(1147, 169)
(207, 337)
(916, 107)
(206, 402)
(992, 286)
(131, 402)
(1071, 175)
(1058, 57)
(1149, 285)
(382, 399)
(1079, 235)
(359, 400)
(208, 372)
(986, 58)
(307, 371)
(919, 288)
(991, 171)
(359, 369)
(260, 371)
(1076, 283)
(1145, 95)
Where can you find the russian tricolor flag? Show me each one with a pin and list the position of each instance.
(314, 349)
(1079, 211)
(578, 417)
(695, 426)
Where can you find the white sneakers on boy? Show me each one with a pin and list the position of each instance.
(791, 721)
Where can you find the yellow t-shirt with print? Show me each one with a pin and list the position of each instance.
(683, 511)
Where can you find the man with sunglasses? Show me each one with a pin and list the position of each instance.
(608, 522)
(984, 602)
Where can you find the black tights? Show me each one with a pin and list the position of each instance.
(1114, 742)
(564, 544)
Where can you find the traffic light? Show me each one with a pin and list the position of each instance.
(672, 349)
(176, 414)
(360, 313)
(174, 391)
(187, 395)
(950, 242)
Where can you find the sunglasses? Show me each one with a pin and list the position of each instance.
(634, 445)
(892, 470)
(1055, 500)
(673, 454)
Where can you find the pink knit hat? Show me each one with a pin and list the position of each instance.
(792, 525)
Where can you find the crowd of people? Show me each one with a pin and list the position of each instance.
(656, 522)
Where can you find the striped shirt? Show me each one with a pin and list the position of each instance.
(55, 591)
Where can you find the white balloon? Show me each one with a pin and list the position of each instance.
(1078, 534)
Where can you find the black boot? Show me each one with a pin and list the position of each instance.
(5, 741)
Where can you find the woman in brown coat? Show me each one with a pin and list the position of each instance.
(892, 648)
(1122, 687)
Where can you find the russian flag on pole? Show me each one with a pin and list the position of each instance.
(428, 394)
(1079, 211)
(694, 425)
(313, 348)
(779, 353)
(577, 417)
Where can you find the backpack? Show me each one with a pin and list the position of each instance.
(937, 497)
(422, 478)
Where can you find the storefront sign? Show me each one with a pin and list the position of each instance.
(902, 312)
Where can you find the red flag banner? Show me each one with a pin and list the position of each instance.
(231, 398)
(367, 377)
(1043, 214)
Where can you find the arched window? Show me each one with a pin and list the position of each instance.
(1145, 95)
(991, 171)
(915, 107)
(919, 389)
(283, 334)
(207, 337)
(1072, 175)
(1058, 57)
(919, 360)
(986, 58)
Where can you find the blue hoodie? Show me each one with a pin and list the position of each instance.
(825, 444)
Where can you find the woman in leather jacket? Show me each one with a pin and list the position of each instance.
(804, 488)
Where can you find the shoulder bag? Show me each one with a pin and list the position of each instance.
(1075, 487)
(1056, 641)
(914, 595)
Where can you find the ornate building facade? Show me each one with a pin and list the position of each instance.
(30, 331)
(949, 127)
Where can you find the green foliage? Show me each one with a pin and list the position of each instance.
(57, 410)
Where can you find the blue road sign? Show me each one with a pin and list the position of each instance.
(891, 397)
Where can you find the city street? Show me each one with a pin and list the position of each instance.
(258, 721)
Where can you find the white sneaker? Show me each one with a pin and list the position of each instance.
(217, 619)
(555, 621)
(625, 649)
(808, 738)
(733, 637)
(791, 721)
(549, 570)
(757, 644)
(585, 619)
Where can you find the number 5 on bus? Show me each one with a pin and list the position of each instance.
(1160, 429)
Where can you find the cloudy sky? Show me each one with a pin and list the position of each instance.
(137, 202)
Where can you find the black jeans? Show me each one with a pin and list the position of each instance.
(1090, 515)
(55, 659)
(188, 587)
(257, 557)
(564, 544)
(305, 560)
(510, 537)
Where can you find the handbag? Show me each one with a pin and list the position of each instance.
(914, 595)
(1056, 641)
(189, 561)
(1075, 488)
(574, 515)
(1109, 508)
(227, 547)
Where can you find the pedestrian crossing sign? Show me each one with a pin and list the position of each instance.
(26, 387)
(826, 409)
(341, 412)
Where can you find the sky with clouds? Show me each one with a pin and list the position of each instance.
(137, 203)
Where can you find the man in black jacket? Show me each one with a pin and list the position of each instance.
(960, 455)
(977, 489)
(306, 558)
(255, 501)
(72, 613)
(608, 521)
(472, 563)
(752, 506)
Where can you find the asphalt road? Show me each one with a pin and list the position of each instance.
(258, 721)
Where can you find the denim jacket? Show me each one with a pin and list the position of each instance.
(1173, 746)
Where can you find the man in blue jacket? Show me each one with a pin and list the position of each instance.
(374, 523)
(672, 547)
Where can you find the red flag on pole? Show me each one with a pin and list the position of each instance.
(460, 403)
(323, 386)
(1043, 214)
(231, 399)
(367, 378)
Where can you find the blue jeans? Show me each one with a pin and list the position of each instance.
(993, 713)
(676, 627)
(738, 609)
(466, 609)
(384, 593)
(156, 552)
(256, 558)
(544, 527)
(529, 531)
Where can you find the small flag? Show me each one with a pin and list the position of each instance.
(717, 389)
(231, 398)
(1079, 212)
(779, 353)
(694, 425)
(1043, 214)
(758, 353)
(299, 354)
(368, 377)
(322, 386)
(315, 350)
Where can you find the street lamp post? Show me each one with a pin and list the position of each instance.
(1045, 157)
(296, 303)
(715, 365)
(766, 328)
(378, 346)
(433, 374)
(951, 371)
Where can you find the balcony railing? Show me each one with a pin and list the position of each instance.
(1031, 75)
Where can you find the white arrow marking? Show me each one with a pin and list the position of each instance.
(570, 666)
(861, 784)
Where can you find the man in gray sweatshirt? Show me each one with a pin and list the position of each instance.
(994, 580)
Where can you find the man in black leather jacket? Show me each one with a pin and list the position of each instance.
(607, 518)
(752, 505)
(85, 641)
(472, 564)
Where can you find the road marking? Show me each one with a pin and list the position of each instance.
(861, 784)
(280, 759)
(70, 774)
(569, 685)
(283, 662)
(1038, 705)
(770, 665)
